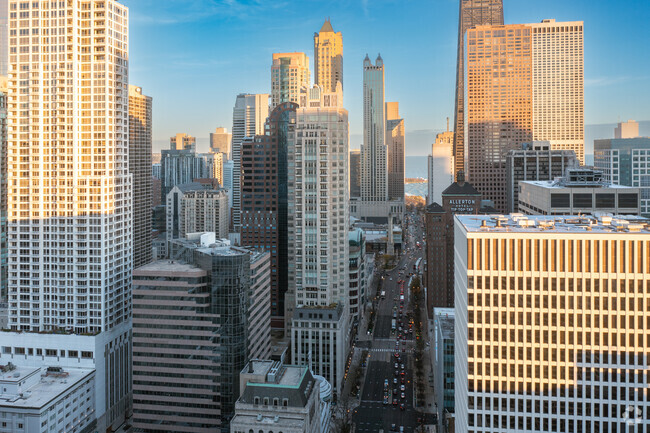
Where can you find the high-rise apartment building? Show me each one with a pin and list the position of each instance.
(629, 129)
(264, 199)
(4, 245)
(472, 13)
(558, 85)
(440, 166)
(179, 166)
(540, 96)
(550, 331)
(355, 173)
(289, 74)
(535, 161)
(70, 194)
(318, 219)
(328, 58)
(374, 158)
(140, 167)
(218, 159)
(220, 141)
(248, 118)
(626, 161)
(182, 142)
(395, 147)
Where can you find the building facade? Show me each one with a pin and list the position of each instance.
(328, 58)
(359, 275)
(248, 119)
(626, 161)
(443, 366)
(140, 167)
(182, 141)
(374, 155)
(629, 129)
(541, 341)
(395, 146)
(471, 13)
(4, 246)
(264, 199)
(183, 166)
(289, 74)
(535, 161)
(220, 141)
(355, 173)
(581, 191)
(71, 196)
(440, 166)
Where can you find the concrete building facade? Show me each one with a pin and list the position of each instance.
(374, 155)
(629, 129)
(443, 373)
(289, 74)
(182, 141)
(220, 141)
(355, 173)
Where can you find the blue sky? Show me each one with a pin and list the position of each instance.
(194, 56)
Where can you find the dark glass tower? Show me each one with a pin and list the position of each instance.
(472, 13)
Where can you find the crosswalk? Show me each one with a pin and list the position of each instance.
(390, 350)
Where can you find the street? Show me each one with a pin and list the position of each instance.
(376, 413)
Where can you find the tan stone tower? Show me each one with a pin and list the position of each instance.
(328, 57)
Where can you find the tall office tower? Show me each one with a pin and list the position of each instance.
(328, 58)
(4, 267)
(223, 322)
(624, 161)
(244, 331)
(228, 168)
(535, 161)
(248, 118)
(264, 199)
(374, 164)
(70, 195)
(218, 160)
(472, 13)
(182, 142)
(220, 141)
(359, 274)
(179, 166)
(496, 120)
(289, 74)
(395, 147)
(443, 371)
(629, 129)
(355, 173)
(318, 218)
(4, 37)
(440, 166)
(558, 85)
(545, 336)
(140, 168)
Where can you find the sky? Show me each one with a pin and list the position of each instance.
(194, 56)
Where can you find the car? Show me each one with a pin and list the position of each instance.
(385, 400)
(396, 366)
(385, 383)
(402, 366)
(395, 380)
(403, 395)
(397, 355)
(394, 391)
(402, 388)
(403, 342)
(393, 427)
(404, 349)
(402, 373)
(402, 380)
(402, 407)
(395, 402)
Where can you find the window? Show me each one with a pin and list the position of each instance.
(628, 200)
(582, 200)
(605, 200)
(560, 200)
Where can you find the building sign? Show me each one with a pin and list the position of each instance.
(462, 205)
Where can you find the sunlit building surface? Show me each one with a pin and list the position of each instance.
(395, 146)
(440, 166)
(328, 58)
(70, 194)
(182, 141)
(374, 157)
(551, 324)
(220, 141)
(289, 74)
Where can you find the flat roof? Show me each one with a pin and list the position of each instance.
(558, 185)
(45, 390)
(616, 224)
(265, 421)
(167, 265)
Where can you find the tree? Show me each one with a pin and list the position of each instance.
(343, 412)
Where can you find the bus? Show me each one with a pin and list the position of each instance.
(393, 324)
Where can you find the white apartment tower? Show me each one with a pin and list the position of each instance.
(70, 193)
(558, 85)
(551, 324)
(318, 232)
(248, 118)
(374, 158)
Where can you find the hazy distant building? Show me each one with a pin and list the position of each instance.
(220, 141)
(581, 192)
(625, 161)
(264, 199)
(440, 166)
(228, 169)
(629, 129)
(182, 142)
(535, 161)
(184, 166)
(471, 13)
(355, 173)
(458, 198)
(289, 74)
(140, 168)
(538, 348)
(248, 118)
(328, 58)
(395, 147)
(374, 158)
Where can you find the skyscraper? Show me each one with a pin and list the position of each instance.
(71, 195)
(440, 166)
(220, 141)
(248, 118)
(472, 13)
(395, 148)
(355, 173)
(318, 215)
(545, 336)
(4, 269)
(629, 129)
(140, 168)
(182, 142)
(289, 74)
(328, 58)
(264, 199)
(374, 164)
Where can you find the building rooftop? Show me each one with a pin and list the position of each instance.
(520, 223)
(554, 184)
(166, 265)
(265, 421)
(45, 386)
(446, 320)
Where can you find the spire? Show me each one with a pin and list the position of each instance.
(379, 61)
(327, 26)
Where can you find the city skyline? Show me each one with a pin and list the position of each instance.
(612, 92)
